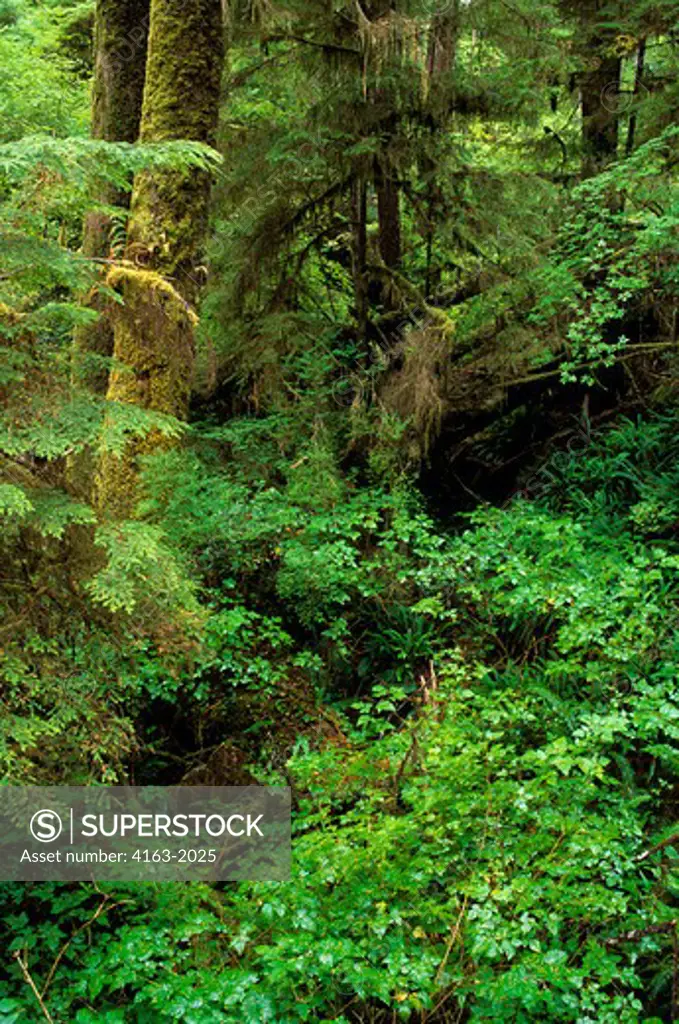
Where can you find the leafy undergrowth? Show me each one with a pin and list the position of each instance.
(484, 835)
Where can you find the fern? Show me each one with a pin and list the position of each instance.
(14, 503)
(140, 568)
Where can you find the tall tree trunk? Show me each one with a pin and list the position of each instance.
(598, 78)
(120, 41)
(599, 81)
(638, 86)
(159, 280)
(600, 108)
(444, 31)
(121, 32)
(388, 212)
(385, 177)
(359, 204)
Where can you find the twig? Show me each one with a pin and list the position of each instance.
(451, 941)
(657, 929)
(98, 912)
(412, 750)
(430, 1015)
(243, 75)
(13, 273)
(640, 933)
(31, 984)
(670, 841)
(333, 47)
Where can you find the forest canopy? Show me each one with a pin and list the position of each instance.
(339, 450)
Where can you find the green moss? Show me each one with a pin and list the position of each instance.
(169, 218)
(153, 336)
(154, 354)
(121, 33)
(184, 71)
(181, 101)
(8, 316)
(120, 38)
(170, 209)
(140, 284)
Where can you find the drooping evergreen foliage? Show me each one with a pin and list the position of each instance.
(400, 531)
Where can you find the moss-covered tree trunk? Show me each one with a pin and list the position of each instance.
(443, 37)
(444, 32)
(387, 189)
(120, 41)
(598, 79)
(159, 280)
(600, 107)
(359, 204)
(638, 86)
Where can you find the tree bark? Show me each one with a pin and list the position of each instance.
(120, 41)
(121, 32)
(600, 109)
(442, 52)
(121, 37)
(443, 35)
(159, 280)
(638, 86)
(388, 212)
(359, 205)
(598, 80)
